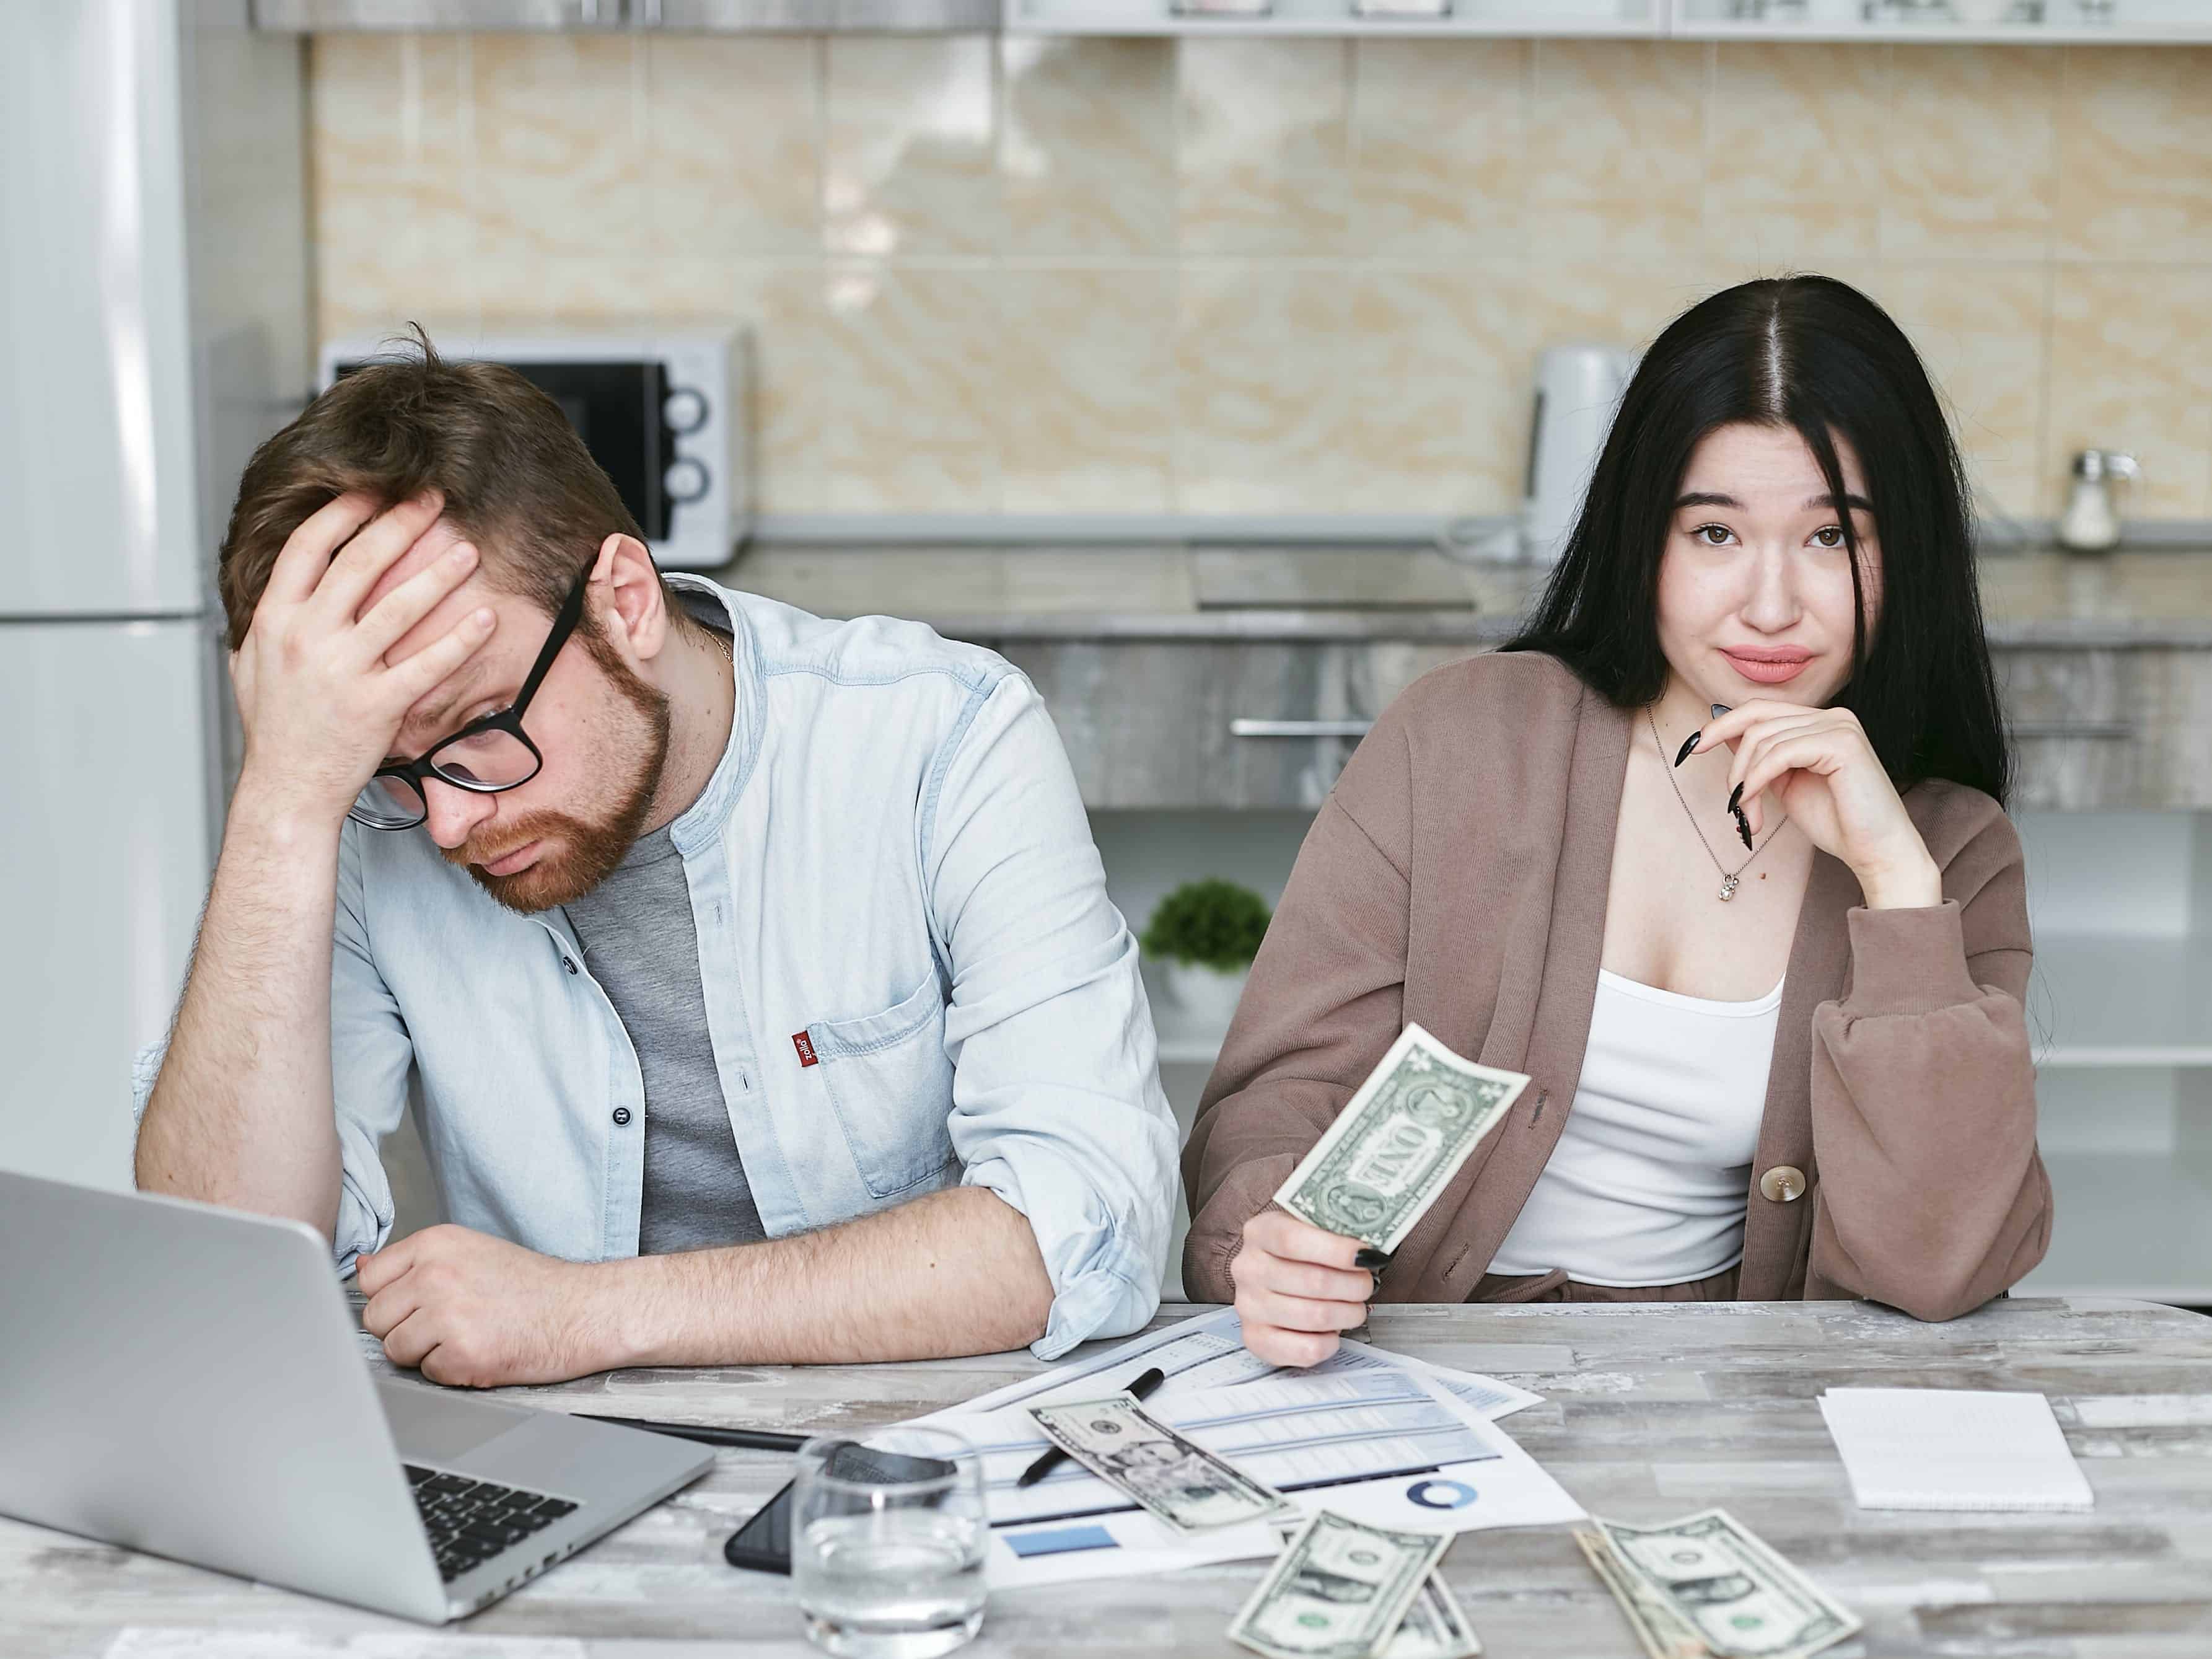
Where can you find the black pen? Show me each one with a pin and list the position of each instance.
(708, 1433)
(1144, 1385)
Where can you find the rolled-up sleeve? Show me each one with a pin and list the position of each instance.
(1057, 1106)
(369, 1057)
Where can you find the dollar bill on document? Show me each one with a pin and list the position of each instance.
(1710, 1577)
(1432, 1627)
(1183, 1483)
(1339, 1590)
(1398, 1141)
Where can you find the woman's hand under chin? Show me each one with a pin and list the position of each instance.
(1818, 767)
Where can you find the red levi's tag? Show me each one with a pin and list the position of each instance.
(805, 1044)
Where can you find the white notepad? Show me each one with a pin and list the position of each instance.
(1953, 1448)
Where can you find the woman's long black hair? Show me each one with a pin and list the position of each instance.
(1817, 355)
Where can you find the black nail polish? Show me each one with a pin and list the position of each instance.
(1719, 710)
(1371, 1258)
(1735, 798)
(1688, 744)
(1743, 829)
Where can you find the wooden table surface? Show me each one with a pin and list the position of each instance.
(1648, 1412)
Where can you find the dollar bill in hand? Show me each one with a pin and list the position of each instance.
(1183, 1483)
(1713, 1577)
(1336, 1591)
(1398, 1141)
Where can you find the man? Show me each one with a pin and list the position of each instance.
(757, 970)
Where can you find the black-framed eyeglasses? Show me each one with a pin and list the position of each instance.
(485, 756)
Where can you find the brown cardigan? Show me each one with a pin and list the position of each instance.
(1457, 875)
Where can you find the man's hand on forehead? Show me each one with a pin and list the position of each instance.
(365, 614)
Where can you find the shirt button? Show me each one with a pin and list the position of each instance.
(622, 1114)
(569, 962)
(1782, 1183)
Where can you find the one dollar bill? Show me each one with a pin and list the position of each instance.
(1339, 1590)
(1710, 1579)
(1183, 1483)
(1398, 1141)
(1432, 1627)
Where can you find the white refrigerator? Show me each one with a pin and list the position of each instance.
(153, 326)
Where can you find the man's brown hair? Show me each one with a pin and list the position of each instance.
(516, 480)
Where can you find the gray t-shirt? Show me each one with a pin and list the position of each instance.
(643, 948)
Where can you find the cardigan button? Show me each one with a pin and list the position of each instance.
(1783, 1183)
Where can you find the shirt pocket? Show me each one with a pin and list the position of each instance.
(891, 1087)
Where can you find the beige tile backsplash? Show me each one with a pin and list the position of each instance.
(1093, 276)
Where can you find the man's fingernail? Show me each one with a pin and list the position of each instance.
(1688, 744)
(1735, 798)
(1371, 1257)
(1719, 710)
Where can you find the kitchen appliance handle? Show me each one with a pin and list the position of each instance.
(1243, 727)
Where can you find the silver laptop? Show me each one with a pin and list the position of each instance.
(191, 1381)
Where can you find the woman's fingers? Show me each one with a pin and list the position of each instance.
(1299, 1313)
(1758, 741)
(1814, 752)
(1295, 1348)
(386, 621)
(1280, 1233)
(1310, 1279)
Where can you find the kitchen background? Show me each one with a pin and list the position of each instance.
(1191, 369)
(1029, 275)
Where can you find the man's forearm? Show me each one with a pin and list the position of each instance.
(955, 1272)
(241, 1114)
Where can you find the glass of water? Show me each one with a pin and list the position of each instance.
(887, 1538)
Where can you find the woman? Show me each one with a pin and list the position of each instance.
(1716, 852)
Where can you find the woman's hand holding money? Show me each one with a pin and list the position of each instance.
(1297, 1287)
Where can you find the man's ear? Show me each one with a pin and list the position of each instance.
(626, 595)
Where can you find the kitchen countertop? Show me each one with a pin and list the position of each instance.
(1182, 592)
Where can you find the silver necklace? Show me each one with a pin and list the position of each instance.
(1729, 876)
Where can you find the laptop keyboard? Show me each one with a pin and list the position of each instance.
(471, 1520)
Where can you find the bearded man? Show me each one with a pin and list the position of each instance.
(757, 970)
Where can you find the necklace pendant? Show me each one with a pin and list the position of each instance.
(1727, 887)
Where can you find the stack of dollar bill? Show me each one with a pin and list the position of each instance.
(1706, 1585)
(1342, 1589)
(1398, 1141)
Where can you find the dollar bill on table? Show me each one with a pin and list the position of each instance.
(1179, 1482)
(1656, 1630)
(1339, 1590)
(1432, 1627)
(1709, 1581)
(1398, 1141)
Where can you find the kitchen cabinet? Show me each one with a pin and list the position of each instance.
(2023, 22)
(472, 16)
(1523, 18)
(694, 16)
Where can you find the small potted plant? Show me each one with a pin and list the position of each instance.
(1205, 934)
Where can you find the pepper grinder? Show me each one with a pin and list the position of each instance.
(2090, 524)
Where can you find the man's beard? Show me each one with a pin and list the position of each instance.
(590, 849)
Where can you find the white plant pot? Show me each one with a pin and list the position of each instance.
(1206, 995)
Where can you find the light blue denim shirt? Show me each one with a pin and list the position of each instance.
(913, 979)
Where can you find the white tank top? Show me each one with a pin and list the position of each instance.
(1646, 1184)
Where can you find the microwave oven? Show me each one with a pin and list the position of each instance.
(664, 413)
